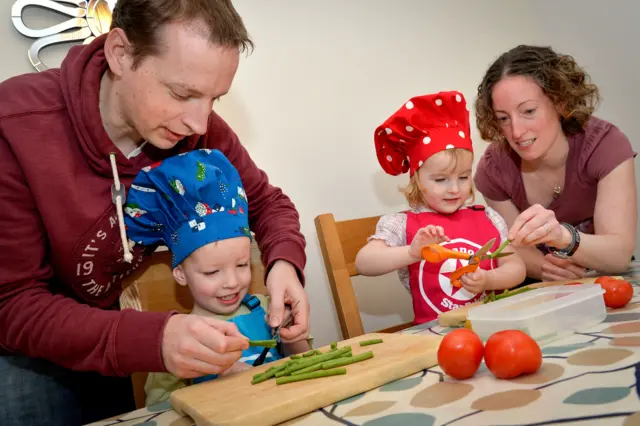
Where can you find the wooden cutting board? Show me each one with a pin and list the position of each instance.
(457, 317)
(234, 401)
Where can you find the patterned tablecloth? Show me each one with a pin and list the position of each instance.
(588, 378)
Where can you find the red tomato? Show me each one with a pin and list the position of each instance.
(604, 279)
(511, 353)
(460, 353)
(617, 292)
(574, 283)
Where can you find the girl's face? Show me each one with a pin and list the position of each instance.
(445, 180)
(527, 117)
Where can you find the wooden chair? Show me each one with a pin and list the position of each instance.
(340, 242)
(153, 288)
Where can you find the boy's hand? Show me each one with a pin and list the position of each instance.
(475, 282)
(430, 234)
(194, 346)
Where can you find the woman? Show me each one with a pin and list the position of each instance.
(562, 179)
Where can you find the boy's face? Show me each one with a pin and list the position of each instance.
(218, 275)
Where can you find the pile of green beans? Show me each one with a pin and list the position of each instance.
(315, 364)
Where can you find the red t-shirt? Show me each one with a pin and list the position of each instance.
(592, 155)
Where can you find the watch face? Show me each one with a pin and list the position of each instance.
(560, 255)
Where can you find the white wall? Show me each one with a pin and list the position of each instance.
(325, 74)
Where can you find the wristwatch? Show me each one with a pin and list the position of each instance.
(566, 253)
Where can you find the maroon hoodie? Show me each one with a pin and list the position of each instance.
(61, 258)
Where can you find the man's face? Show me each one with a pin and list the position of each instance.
(170, 95)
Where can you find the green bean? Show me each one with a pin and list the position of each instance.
(262, 377)
(311, 352)
(502, 246)
(271, 372)
(312, 375)
(259, 379)
(512, 293)
(318, 358)
(308, 369)
(264, 343)
(334, 345)
(346, 361)
(370, 342)
(295, 356)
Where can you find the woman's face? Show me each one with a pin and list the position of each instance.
(527, 117)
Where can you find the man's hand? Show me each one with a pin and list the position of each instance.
(194, 346)
(555, 269)
(285, 288)
(236, 367)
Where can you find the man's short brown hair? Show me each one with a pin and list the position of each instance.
(141, 20)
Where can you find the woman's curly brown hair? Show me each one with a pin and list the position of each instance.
(562, 80)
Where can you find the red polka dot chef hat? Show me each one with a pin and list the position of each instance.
(422, 127)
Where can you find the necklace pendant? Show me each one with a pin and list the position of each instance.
(556, 191)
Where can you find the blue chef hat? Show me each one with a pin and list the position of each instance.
(187, 201)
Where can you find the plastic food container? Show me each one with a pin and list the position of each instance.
(545, 314)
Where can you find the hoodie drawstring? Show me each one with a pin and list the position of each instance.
(118, 198)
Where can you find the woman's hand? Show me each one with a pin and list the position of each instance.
(555, 269)
(538, 225)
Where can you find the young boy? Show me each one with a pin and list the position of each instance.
(195, 204)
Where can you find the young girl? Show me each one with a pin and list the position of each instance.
(429, 137)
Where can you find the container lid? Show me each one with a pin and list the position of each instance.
(534, 303)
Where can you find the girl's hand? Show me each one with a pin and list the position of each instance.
(475, 282)
(430, 234)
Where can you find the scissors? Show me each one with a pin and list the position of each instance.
(474, 260)
(275, 334)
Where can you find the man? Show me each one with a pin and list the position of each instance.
(69, 138)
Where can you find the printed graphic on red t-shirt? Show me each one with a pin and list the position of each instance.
(443, 296)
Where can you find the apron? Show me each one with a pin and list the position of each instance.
(254, 326)
(431, 290)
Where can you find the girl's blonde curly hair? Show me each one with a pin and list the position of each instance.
(561, 79)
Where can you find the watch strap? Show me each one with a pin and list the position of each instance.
(575, 243)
